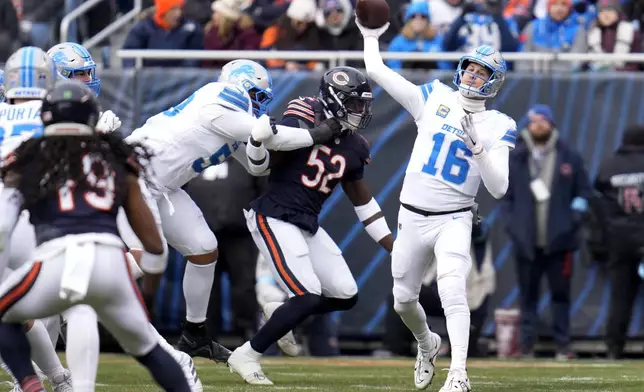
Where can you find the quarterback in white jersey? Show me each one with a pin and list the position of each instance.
(204, 130)
(458, 143)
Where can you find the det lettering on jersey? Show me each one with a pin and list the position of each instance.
(448, 128)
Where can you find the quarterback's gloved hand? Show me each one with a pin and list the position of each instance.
(469, 137)
(108, 122)
(263, 129)
(376, 33)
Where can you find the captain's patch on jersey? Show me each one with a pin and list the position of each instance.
(442, 111)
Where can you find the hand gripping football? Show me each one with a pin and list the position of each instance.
(372, 14)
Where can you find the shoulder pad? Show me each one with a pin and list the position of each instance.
(235, 98)
(303, 108)
(434, 86)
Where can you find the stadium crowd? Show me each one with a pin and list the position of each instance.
(576, 26)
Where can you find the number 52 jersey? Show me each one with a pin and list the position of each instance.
(442, 175)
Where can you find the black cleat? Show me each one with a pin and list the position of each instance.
(200, 345)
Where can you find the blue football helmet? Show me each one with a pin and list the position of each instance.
(28, 74)
(1, 86)
(71, 58)
(489, 58)
(254, 79)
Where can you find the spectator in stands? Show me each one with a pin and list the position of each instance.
(222, 192)
(230, 29)
(294, 31)
(417, 35)
(611, 33)
(543, 208)
(556, 32)
(338, 30)
(265, 13)
(39, 20)
(9, 30)
(198, 10)
(165, 28)
(634, 11)
(519, 10)
(481, 23)
(444, 13)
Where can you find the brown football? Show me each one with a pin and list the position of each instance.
(372, 14)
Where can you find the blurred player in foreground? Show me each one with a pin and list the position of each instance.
(459, 143)
(204, 130)
(284, 220)
(88, 177)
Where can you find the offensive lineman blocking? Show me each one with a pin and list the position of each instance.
(459, 143)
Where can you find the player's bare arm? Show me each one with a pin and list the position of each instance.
(369, 212)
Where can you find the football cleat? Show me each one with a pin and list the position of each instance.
(202, 346)
(425, 361)
(457, 381)
(243, 363)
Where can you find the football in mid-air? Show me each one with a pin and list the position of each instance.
(372, 14)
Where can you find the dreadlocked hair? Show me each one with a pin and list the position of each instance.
(46, 164)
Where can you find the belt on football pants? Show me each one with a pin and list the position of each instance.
(431, 213)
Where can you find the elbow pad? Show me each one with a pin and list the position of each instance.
(325, 131)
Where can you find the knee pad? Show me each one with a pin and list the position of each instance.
(403, 294)
(404, 307)
(453, 294)
(336, 304)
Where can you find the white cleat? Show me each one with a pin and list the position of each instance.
(190, 371)
(247, 366)
(62, 382)
(287, 343)
(424, 368)
(457, 381)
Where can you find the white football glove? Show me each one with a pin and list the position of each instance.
(469, 135)
(108, 122)
(262, 130)
(376, 33)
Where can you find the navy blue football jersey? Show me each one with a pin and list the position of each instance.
(90, 206)
(301, 180)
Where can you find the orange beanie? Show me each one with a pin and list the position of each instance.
(163, 6)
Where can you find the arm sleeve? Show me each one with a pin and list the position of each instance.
(258, 158)
(238, 126)
(241, 156)
(494, 169)
(406, 93)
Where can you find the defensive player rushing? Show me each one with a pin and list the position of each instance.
(88, 177)
(458, 143)
(284, 220)
(74, 62)
(205, 130)
(29, 73)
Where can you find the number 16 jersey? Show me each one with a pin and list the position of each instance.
(301, 180)
(442, 174)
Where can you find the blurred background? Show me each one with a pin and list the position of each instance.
(551, 277)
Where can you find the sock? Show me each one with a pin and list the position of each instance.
(15, 350)
(197, 283)
(53, 328)
(83, 347)
(42, 352)
(452, 291)
(165, 370)
(413, 315)
(174, 353)
(31, 384)
(285, 318)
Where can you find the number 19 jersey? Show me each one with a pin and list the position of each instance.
(442, 174)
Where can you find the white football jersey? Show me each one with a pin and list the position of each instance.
(18, 123)
(442, 174)
(203, 130)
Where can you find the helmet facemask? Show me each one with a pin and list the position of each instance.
(353, 111)
(259, 97)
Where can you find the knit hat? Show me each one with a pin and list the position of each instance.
(542, 110)
(417, 8)
(302, 10)
(231, 9)
(163, 6)
(566, 2)
(610, 4)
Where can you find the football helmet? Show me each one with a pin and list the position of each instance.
(1, 86)
(346, 95)
(254, 79)
(71, 58)
(28, 74)
(489, 58)
(70, 102)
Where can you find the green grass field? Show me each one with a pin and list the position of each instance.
(120, 373)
